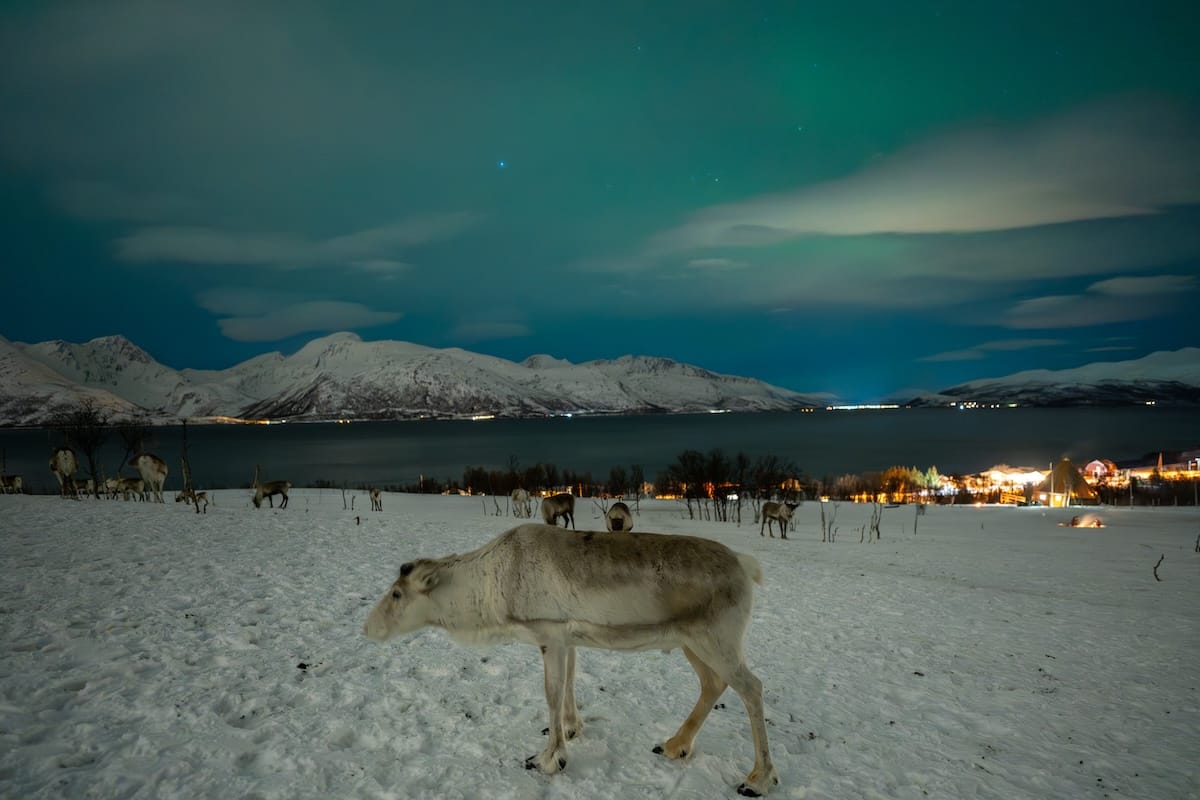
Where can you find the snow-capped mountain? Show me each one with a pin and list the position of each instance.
(1169, 377)
(341, 376)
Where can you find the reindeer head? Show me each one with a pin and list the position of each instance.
(406, 606)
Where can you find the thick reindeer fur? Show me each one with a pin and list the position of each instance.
(269, 490)
(64, 465)
(560, 590)
(559, 505)
(618, 518)
(153, 471)
(781, 514)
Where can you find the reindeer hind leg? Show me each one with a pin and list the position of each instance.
(711, 687)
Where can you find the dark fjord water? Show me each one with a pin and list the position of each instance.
(821, 443)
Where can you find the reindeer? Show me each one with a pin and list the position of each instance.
(618, 518)
(194, 497)
(559, 505)
(561, 590)
(64, 466)
(11, 483)
(376, 500)
(781, 513)
(112, 488)
(87, 489)
(135, 487)
(153, 471)
(521, 505)
(269, 490)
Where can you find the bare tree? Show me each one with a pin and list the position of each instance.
(85, 429)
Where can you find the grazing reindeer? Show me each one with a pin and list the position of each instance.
(269, 490)
(112, 488)
(194, 497)
(561, 590)
(376, 500)
(559, 505)
(153, 471)
(87, 489)
(521, 505)
(64, 466)
(11, 483)
(618, 518)
(131, 486)
(781, 513)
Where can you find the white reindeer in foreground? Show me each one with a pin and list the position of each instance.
(11, 484)
(269, 490)
(780, 513)
(618, 518)
(559, 505)
(521, 504)
(64, 465)
(376, 500)
(561, 590)
(153, 471)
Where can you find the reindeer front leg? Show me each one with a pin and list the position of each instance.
(555, 658)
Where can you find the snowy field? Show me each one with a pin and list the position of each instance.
(154, 653)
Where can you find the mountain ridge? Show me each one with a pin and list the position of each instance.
(340, 376)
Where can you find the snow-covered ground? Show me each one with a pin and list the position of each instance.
(152, 652)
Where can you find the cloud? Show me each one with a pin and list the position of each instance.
(716, 263)
(1120, 299)
(980, 351)
(257, 315)
(1117, 159)
(1150, 284)
(314, 316)
(367, 249)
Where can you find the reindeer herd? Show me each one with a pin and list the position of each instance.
(558, 590)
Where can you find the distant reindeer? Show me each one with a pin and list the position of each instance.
(559, 505)
(780, 513)
(269, 490)
(11, 484)
(376, 500)
(87, 489)
(521, 505)
(112, 488)
(618, 518)
(64, 466)
(131, 486)
(153, 471)
(193, 497)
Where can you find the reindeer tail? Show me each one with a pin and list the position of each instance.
(751, 567)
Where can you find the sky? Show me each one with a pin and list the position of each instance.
(854, 198)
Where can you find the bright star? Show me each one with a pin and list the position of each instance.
(501, 164)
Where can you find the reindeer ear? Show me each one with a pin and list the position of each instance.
(425, 577)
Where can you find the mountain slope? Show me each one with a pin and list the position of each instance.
(1165, 377)
(341, 376)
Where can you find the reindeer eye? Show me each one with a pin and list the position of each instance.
(395, 594)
